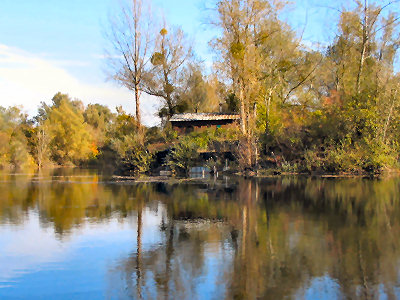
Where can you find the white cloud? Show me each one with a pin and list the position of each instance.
(104, 56)
(26, 79)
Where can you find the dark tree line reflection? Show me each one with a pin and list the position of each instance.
(237, 238)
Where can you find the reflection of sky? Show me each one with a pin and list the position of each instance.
(34, 263)
(212, 285)
(325, 287)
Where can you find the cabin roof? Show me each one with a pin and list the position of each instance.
(203, 117)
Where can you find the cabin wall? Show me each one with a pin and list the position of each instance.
(190, 126)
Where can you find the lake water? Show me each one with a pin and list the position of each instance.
(73, 234)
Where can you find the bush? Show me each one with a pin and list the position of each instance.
(137, 159)
(183, 156)
(351, 157)
(312, 160)
(289, 167)
(132, 154)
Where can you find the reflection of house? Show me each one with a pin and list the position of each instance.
(188, 122)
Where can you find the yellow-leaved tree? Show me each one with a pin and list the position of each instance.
(70, 138)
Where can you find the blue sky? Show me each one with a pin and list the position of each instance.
(48, 46)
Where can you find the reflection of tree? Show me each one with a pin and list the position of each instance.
(310, 239)
(176, 266)
(169, 251)
(68, 201)
(139, 253)
(273, 236)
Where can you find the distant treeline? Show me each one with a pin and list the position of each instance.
(66, 133)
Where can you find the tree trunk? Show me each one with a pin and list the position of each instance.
(242, 111)
(137, 102)
(361, 67)
(364, 47)
(267, 104)
(388, 118)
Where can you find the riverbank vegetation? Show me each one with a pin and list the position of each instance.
(325, 109)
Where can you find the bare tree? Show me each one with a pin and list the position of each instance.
(369, 18)
(42, 144)
(131, 41)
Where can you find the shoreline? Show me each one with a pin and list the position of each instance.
(262, 173)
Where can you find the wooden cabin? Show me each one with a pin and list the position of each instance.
(188, 122)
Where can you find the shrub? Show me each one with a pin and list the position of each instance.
(137, 159)
(183, 156)
(132, 155)
(289, 167)
(312, 160)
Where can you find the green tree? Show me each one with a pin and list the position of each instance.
(14, 148)
(165, 79)
(200, 93)
(360, 104)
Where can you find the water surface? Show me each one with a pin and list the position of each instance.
(75, 234)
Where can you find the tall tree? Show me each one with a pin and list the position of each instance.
(131, 39)
(241, 57)
(237, 48)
